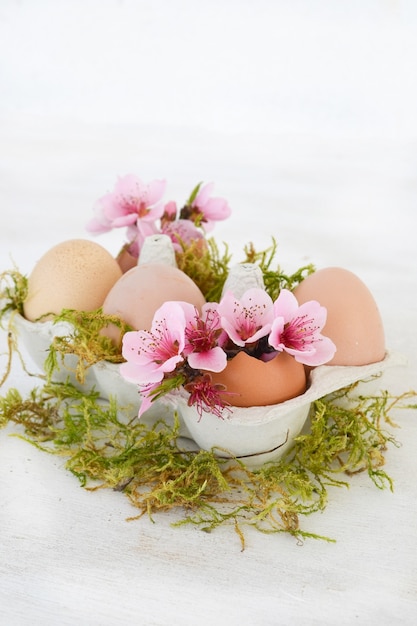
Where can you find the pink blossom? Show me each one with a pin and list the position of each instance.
(297, 330)
(207, 396)
(181, 231)
(146, 392)
(201, 334)
(211, 209)
(132, 203)
(170, 210)
(152, 354)
(249, 319)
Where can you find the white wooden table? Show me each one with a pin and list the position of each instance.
(331, 195)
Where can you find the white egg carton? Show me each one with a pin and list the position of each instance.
(254, 434)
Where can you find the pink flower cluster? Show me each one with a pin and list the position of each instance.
(139, 208)
(183, 344)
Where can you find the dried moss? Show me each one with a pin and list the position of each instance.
(86, 341)
(105, 449)
(13, 292)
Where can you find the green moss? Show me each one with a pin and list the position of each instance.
(86, 341)
(13, 292)
(106, 449)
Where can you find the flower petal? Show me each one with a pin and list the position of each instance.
(286, 305)
(214, 360)
(97, 226)
(324, 350)
(146, 399)
(154, 191)
(125, 220)
(129, 186)
(216, 209)
(141, 374)
(275, 336)
(203, 195)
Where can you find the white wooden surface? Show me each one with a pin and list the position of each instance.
(305, 120)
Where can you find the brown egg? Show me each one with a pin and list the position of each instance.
(126, 260)
(75, 274)
(142, 290)
(255, 383)
(353, 320)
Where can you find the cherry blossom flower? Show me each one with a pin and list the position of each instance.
(297, 330)
(201, 338)
(181, 232)
(151, 354)
(133, 204)
(206, 210)
(170, 211)
(249, 319)
(205, 396)
(138, 207)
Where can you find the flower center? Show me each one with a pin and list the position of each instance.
(160, 345)
(249, 320)
(299, 332)
(136, 205)
(202, 336)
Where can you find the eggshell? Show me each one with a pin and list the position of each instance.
(251, 382)
(142, 290)
(353, 319)
(126, 260)
(75, 274)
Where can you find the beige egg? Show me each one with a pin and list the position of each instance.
(353, 320)
(75, 274)
(143, 289)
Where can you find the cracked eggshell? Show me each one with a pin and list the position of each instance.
(252, 382)
(353, 323)
(75, 274)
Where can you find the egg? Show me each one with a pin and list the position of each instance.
(252, 382)
(126, 260)
(353, 320)
(142, 290)
(75, 274)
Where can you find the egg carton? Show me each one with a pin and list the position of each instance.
(255, 434)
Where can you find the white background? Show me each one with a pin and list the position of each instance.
(304, 115)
